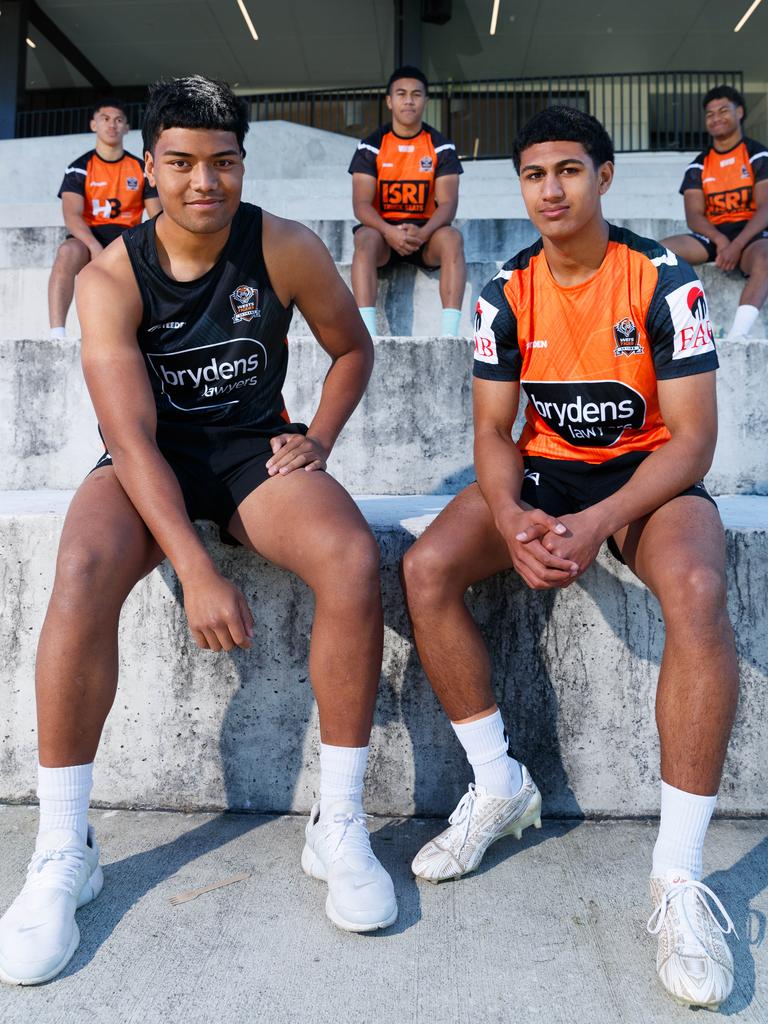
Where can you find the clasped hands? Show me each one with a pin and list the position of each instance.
(549, 551)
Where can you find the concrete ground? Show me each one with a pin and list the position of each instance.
(551, 930)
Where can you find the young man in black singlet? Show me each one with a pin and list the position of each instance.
(184, 353)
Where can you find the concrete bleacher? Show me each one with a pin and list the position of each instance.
(575, 671)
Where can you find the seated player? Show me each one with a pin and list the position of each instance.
(104, 192)
(725, 191)
(184, 350)
(608, 334)
(405, 191)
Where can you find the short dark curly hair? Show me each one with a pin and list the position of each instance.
(193, 102)
(725, 92)
(564, 124)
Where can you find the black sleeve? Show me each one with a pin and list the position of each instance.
(364, 160)
(497, 353)
(678, 325)
(447, 159)
(758, 159)
(692, 176)
(74, 177)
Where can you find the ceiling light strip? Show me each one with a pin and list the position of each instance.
(495, 16)
(753, 7)
(30, 44)
(248, 21)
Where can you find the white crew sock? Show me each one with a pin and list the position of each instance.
(684, 821)
(743, 321)
(487, 748)
(368, 313)
(58, 333)
(341, 775)
(449, 324)
(64, 794)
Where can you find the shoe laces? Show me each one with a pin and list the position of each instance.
(462, 815)
(63, 864)
(702, 894)
(352, 829)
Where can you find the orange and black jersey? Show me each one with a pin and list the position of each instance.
(589, 356)
(113, 191)
(728, 179)
(405, 169)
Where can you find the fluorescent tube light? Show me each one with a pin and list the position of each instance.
(247, 17)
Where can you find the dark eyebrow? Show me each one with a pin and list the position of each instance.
(560, 163)
(224, 152)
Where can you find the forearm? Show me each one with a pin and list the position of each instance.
(673, 468)
(441, 218)
(344, 386)
(76, 226)
(698, 222)
(154, 491)
(753, 227)
(370, 217)
(499, 469)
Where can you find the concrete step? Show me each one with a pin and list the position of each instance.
(557, 933)
(408, 301)
(192, 731)
(488, 238)
(411, 434)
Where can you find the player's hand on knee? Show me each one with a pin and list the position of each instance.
(296, 451)
(218, 614)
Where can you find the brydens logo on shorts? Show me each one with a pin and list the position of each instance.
(587, 413)
(210, 376)
(690, 321)
(245, 303)
(485, 339)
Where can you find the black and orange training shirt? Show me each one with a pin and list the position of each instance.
(728, 180)
(113, 191)
(589, 356)
(405, 169)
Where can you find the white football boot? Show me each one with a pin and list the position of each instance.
(361, 897)
(38, 932)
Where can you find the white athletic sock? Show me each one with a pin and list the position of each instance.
(341, 774)
(368, 313)
(64, 794)
(487, 748)
(58, 333)
(684, 821)
(449, 325)
(743, 321)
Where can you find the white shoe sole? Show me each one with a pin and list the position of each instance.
(89, 892)
(531, 817)
(312, 865)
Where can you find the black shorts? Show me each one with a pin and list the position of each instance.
(561, 487)
(105, 233)
(416, 259)
(730, 231)
(216, 468)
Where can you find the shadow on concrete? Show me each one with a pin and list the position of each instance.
(737, 887)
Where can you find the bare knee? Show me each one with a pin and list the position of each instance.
(695, 602)
(427, 576)
(72, 256)
(350, 563)
(88, 578)
(367, 242)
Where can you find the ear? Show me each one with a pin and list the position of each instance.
(149, 167)
(389, 102)
(92, 125)
(605, 177)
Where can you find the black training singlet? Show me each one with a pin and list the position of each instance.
(215, 348)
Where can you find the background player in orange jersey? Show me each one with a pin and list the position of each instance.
(609, 335)
(405, 191)
(725, 191)
(103, 192)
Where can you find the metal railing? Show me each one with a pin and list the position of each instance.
(643, 111)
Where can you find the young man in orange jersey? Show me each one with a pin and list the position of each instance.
(103, 192)
(405, 191)
(609, 335)
(725, 191)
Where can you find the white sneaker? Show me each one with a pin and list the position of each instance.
(361, 897)
(38, 932)
(479, 820)
(693, 962)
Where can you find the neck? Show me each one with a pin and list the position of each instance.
(407, 131)
(107, 152)
(184, 255)
(574, 260)
(728, 143)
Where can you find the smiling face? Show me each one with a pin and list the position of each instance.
(561, 187)
(406, 99)
(110, 125)
(199, 177)
(723, 118)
